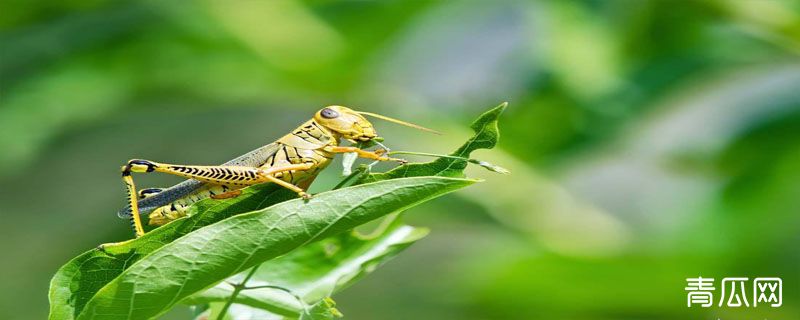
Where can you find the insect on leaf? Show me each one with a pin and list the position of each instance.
(209, 255)
(143, 278)
(292, 271)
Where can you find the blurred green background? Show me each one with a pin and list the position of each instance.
(649, 141)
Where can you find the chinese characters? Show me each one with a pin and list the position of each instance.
(735, 292)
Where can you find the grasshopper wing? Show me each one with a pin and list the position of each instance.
(254, 158)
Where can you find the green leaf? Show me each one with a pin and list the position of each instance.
(206, 256)
(316, 271)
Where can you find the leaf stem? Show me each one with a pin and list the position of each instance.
(236, 290)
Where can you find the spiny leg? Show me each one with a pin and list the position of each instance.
(136, 220)
(230, 175)
(270, 175)
(221, 175)
(302, 193)
(177, 209)
(374, 155)
(225, 175)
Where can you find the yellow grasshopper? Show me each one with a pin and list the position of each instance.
(292, 162)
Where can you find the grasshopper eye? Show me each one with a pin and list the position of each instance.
(328, 113)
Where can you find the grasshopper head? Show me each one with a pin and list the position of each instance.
(352, 125)
(345, 121)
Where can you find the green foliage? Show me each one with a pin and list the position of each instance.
(78, 281)
(204, 257)
(649, 142)
(316, 271)
(145, 277)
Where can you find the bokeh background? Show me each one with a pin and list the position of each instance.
(649, 141)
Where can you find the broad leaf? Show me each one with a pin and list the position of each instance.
(206, 256)
(77, 281)
(318, 270)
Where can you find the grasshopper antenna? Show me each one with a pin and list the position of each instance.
(400, 122)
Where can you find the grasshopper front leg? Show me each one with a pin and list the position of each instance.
(374, 155)
(221, 175)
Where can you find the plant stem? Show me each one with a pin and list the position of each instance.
(236, 289)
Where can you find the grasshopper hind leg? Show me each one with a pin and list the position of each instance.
(133, 196)
(133, 201)
(233, 176)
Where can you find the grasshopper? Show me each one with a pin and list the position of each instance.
(292, 161)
